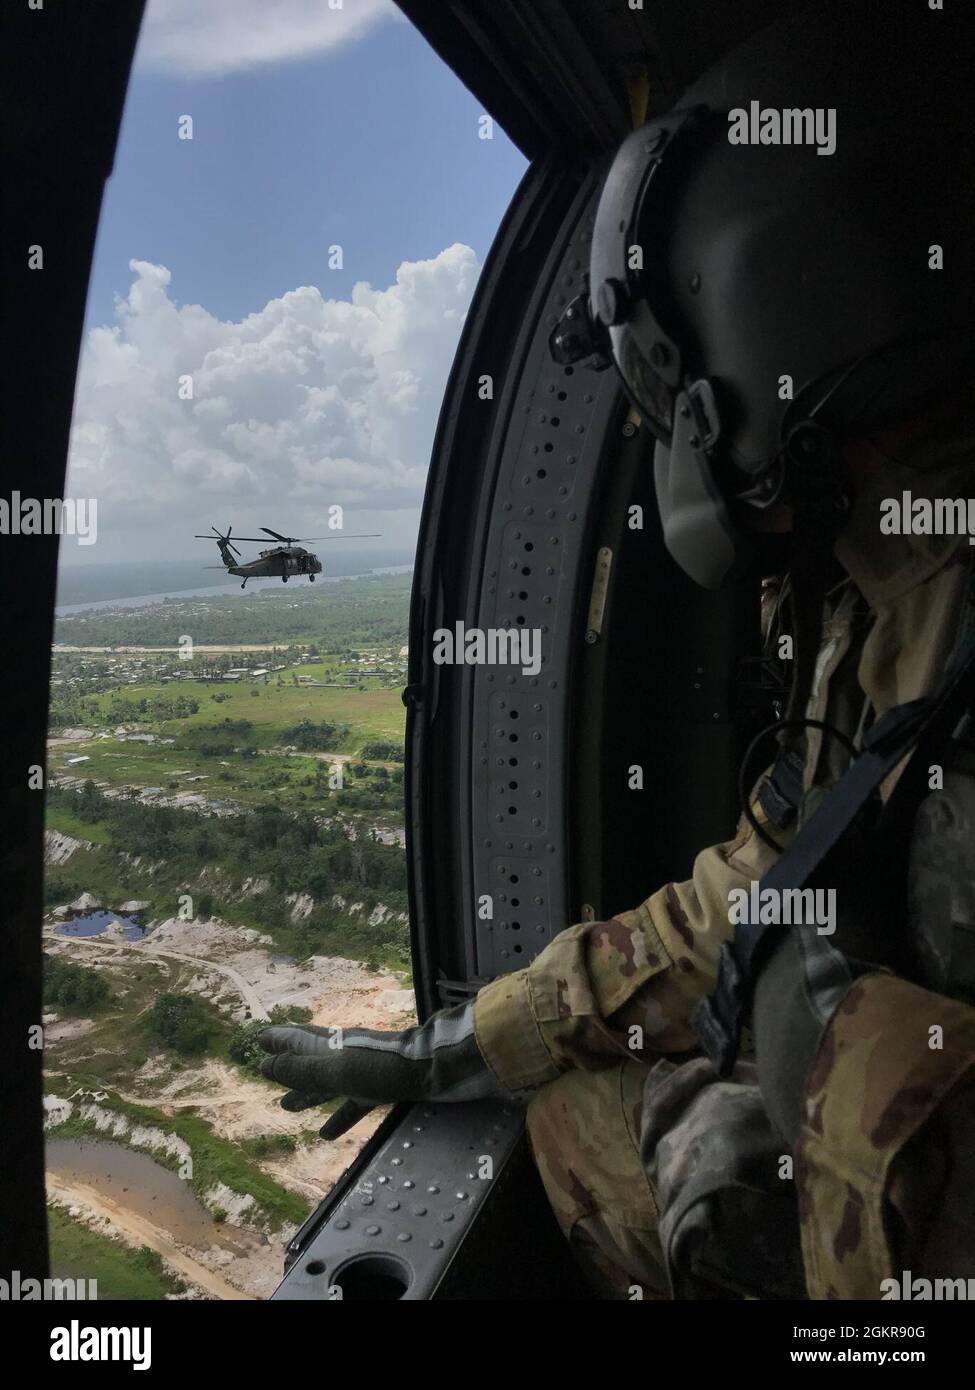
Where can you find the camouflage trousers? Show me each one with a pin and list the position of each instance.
(584, 1130)
(668, 1182)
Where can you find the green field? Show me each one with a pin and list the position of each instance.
(370, 714)
(249, 781)
(60, 818)
(121, 1272)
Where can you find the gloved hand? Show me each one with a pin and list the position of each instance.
(438, 1060)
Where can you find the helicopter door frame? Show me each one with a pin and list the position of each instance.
(512, 465)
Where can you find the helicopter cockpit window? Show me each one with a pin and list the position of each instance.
(265, 353)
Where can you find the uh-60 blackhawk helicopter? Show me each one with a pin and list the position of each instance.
(280, 561)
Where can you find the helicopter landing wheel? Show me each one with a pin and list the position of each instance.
(284, 579)
(311, 578)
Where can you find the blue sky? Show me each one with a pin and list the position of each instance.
(373, 146)
(369, 142)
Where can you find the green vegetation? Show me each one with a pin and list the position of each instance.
(120, 1271)
(269, 1146)
(309, 736)
(384, 752)
(215, 1159)
(74, 986)
(60, 887)
(294, 851)
(68, 823)
(182, 1022)
(150, 708)
(344, 617)
(244, 1048)
(247, 778)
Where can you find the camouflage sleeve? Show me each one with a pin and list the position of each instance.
(619, 988)
(884, 1162)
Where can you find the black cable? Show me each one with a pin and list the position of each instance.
(749, 815)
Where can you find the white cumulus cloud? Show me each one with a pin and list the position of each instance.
(306, 403)
(209, 38)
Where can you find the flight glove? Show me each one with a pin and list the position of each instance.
(438, 1060)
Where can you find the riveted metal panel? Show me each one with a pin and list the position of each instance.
(401, 1222)
(530, 585)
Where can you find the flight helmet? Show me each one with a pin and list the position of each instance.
(784, 260)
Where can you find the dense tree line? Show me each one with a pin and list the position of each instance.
(150, 709)
(309, 736)
(381, 751)
(181, 1022)
(75, 986)
(293, 850)
(361, 612)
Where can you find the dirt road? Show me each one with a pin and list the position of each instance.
(246, 991)
(140, 1231)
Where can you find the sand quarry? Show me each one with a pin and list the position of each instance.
(239, 971)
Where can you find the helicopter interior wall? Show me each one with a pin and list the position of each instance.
(664, 705)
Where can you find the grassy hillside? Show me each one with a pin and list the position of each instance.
(120, 1271)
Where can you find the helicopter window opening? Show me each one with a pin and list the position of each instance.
(237, 761)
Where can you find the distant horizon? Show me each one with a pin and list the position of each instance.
(127, 579)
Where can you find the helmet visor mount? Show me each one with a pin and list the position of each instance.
(647, 359)
(651, 395)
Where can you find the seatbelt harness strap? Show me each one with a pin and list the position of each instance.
(718, 1019)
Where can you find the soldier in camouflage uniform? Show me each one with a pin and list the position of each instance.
(843, 1151)
(563, 1025)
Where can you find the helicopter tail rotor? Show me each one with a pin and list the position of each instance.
(227, 548)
